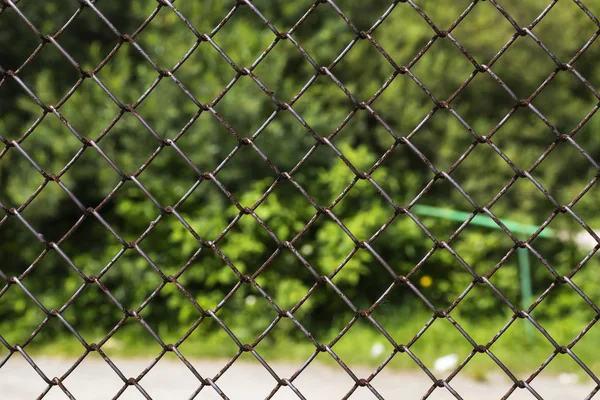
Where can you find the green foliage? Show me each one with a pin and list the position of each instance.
(245, 107)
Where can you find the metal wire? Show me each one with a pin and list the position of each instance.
(320, 211)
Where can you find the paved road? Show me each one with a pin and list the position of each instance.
(170, 379)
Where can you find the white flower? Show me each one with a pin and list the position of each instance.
(250, 300)
(377, 349)
(445, 363)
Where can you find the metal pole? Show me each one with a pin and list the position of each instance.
(522, 253)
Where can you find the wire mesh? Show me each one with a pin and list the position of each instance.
(206, 39)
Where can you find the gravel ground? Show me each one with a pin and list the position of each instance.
(170, 379)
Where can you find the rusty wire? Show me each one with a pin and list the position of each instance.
(328, 211)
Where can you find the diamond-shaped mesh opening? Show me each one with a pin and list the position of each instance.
(170, 260)
(235, 108)
(52, 197)
(165, 25)
(487, 160)
(241, 192)
(442, 18)
(16, 304)
(120, 136)
(319, 167)
(128, 197)
(535, 354)
(275, 71)
(338, 34)
(47, 18)
(579, 345)
(295, 284)
(430, 350)
(483, 377)
(483, 14)
(547, 29)
(583, 202)
(246, 298)
(105, 378)
(135, 69)
(89, 99)
(495, 104)
(29, 254)
(330, 373)
(374, 66)
(209, 279)
(363, 218)
(204, 140)
(247, 257)
(432, 195)
(283, 18)
(301, 141)
(207, 340)
(53, 271)
(230, 382)
(583, 65)
(23, 373)
(363, 280)
(131, 18)
(363, 153)
(522, 55)
(536, 138)
(357, 353)
(554, 304)
(18, 107)
(524, 16)
(326, 90)
(68, 348)
(572, 380)
(87, 24)
(582, 100)
(436, 291)
(171, 122)
(333, 247)
(160, 377)
(49, 88)
(431, 66)
(325, 325)
(13, 59)
(403, 46)
(124, 340)
(246, 191)
(26, 177)
(540, 276)
(482, 244)
(244, 49)
(52, 157)
(130, 264)
(443, 140)
(184, 180)
(364, 16)
(93, 328)
(388, 382)
(521, 197)
(210, 66)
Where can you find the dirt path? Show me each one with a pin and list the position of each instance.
(170, 379)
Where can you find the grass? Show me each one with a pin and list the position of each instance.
(364, 346)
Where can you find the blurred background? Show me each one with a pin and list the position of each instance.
(403, 105)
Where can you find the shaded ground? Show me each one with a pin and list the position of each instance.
(170, 379)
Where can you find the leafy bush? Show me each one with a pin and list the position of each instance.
(207, 142)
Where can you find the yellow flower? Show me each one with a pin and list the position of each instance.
(425, 281)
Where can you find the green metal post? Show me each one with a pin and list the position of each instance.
(514, 226)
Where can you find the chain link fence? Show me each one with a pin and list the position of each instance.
(13, 12)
